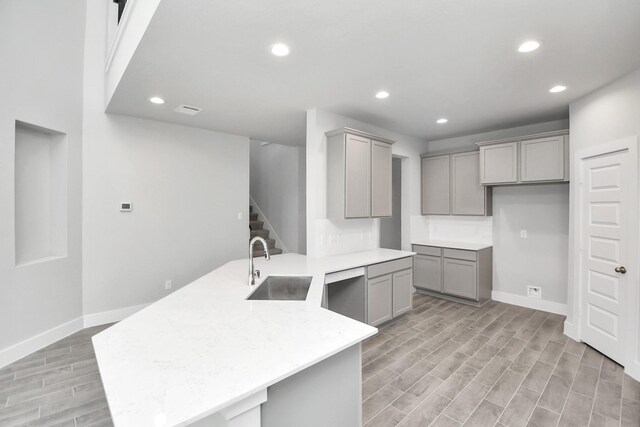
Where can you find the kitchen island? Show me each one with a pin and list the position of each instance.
(205, 355)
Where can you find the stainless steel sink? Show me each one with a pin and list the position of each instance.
(282, 288)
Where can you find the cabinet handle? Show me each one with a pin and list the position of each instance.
(621, 270)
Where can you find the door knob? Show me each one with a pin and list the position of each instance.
(621, 270)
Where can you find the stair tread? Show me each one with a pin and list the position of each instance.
(256, 225)
(262, 233)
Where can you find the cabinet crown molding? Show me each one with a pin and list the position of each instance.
(351, 131)
(524, 137)
(452, 151)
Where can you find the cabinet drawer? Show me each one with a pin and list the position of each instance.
(427, 250)
(461, 254)
(376, 270)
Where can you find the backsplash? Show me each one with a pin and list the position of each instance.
(455, 228)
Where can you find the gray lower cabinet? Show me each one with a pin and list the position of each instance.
(460, 278)
(402, 292)
(380, 299)
(389, 290)
(428, 272)
(462, 275)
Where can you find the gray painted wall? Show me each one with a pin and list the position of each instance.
(541, 258)
(391, 228)
(277, 186)
(42, 54)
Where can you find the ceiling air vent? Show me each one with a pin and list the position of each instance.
(188, 109)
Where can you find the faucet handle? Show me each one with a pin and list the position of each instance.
(257, 274)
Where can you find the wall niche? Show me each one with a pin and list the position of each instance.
(40, 194)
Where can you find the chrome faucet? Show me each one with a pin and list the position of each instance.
(253, 274)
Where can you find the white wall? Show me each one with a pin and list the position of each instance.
(277, 175)
(42, 53)
(186, 185)
(610, 113)
(541, 209)
(328, 237)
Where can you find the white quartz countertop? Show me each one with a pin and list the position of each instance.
(469, 246)
(205, 347)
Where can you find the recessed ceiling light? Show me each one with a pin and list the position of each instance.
(382, 94)
(558, 88)
(529, 46)
(280, 49)
(156, 100)
(442, 121)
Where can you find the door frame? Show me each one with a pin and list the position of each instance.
(630, 330)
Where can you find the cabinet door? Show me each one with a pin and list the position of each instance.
(380, 179)
(428, 272)
(435, 185)
(357, 189)
(460, 278)
(542, 159)
(499, 163)
(402, 292)
(379, 300)
(467, 194)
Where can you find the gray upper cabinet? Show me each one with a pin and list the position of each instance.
(468, 195)
(525, 160)
(451, 184)
(499, 163)
(542, 159)
(436, 182)
(358, 175)
(380, 179)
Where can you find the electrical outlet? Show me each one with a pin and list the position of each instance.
(523, 234)
(167, 284)
(534, 292)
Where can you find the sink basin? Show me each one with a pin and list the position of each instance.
(282, 288)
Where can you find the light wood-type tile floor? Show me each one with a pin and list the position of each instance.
(442, 364)
(448, 364)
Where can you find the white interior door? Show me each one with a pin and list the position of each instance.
(605, 184)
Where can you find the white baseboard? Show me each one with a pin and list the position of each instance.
(28, 346)
(111, 316)
(633, 370)
(570, 331)
(537, 304)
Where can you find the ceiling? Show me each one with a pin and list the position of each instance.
(437, 58)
